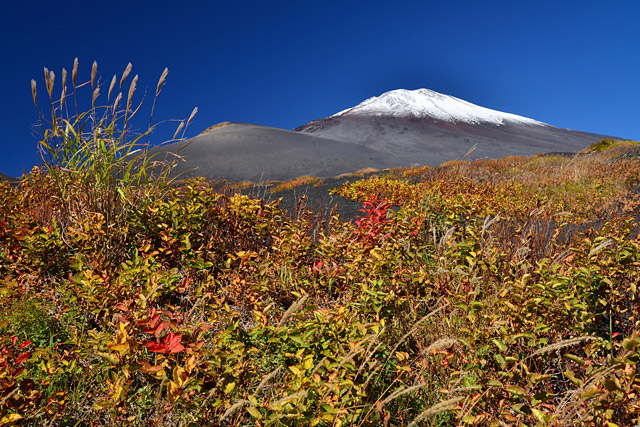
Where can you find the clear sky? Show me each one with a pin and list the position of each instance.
(572, 64)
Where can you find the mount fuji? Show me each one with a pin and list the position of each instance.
(426, 127)
(398, 128)
(425, 103)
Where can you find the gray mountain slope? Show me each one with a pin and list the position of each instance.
(431, 142)
(238, 152)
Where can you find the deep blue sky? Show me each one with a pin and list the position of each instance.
(573, 64)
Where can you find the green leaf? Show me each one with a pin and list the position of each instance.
(500, 360)
(516, 390)
(542, 419)
(573, 378)
(254, 412)
(574, 358)
(329, 409)
(541, 397)
(109, 357)
(630, 344)
(500, 344)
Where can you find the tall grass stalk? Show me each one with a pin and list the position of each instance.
(97, 146)
(98, 162)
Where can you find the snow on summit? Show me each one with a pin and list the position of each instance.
(427, 103)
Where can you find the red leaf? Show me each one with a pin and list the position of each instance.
(25, 343)
(147, 368)
(170, 344)
(17, 372)
(24, 356)
(173, 343)
(155, 347)
(14, 339)
(161, 327)
(122, 307)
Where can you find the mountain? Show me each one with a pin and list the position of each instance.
(241, 151)
(426, 127)
(397, 128)
(425, 103)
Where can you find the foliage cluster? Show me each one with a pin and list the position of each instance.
(296, 182)
(459, 297)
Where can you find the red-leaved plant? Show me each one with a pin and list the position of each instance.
(371, 224)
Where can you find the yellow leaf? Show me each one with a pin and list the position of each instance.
(308, 362)
(229, 387)
(295, 370)
(122, 349)
(111, 358)
(179, 376)
(254, 412)
(10, 418)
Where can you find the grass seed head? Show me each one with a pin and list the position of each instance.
(94, 71)
(161, 80)
(193, 113)
(64, 79)
(132, 88)
(34, 92)
(96, 92)
(127, 70)
(111, 86)
(116, 102)
(74, 72)
(50, 81)
(180, 126)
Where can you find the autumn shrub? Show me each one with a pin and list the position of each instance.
(499, 292)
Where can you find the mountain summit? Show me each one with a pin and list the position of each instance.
(428, 128)
(425, 103)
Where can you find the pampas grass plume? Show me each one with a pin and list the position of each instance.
(127, 70)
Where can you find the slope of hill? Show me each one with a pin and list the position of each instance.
(239, 151)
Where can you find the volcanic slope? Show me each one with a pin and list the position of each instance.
(426, 127)
(239, 151)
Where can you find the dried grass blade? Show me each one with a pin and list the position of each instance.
(74, 72)
(127, 70)
(401, 392)
(440, 344)
(193, 113)
(161, 80)
(34, 92)
(180, 126)
(111, 86)
(132, 88)
(94, 71)
(561, 344)
(96, 92)
(294, 307)
(445, 405)
(64, 80)
(232, 409)
(116, 102)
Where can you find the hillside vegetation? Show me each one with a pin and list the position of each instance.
(497, 292)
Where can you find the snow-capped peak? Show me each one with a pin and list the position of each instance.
(427, 103)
